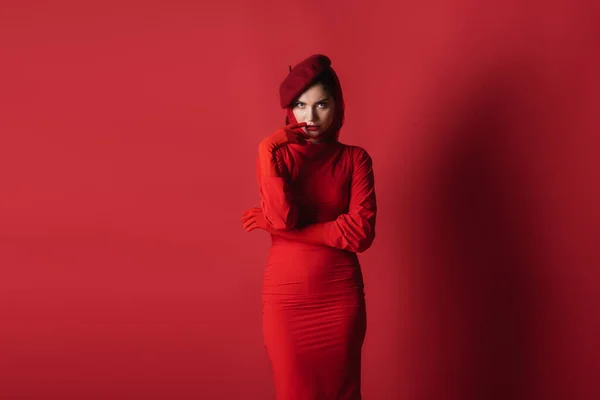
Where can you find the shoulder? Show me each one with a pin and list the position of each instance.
(357, 154)
(358, 160)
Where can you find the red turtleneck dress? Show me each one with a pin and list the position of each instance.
(323, 212)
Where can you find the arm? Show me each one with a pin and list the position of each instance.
(273, 177)
(353, 231)
(275, 192)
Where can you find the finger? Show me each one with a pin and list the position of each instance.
(296, 125)
(249, 223)
(253, 227)
(247, 218)
(296, 130)
(251, 211)
(254, 211)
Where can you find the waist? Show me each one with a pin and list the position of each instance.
(293, 251)
(295, 267)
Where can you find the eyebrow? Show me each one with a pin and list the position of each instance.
(318, 101)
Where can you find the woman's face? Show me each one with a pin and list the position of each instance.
(315, 107)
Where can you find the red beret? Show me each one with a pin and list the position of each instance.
(300, 77)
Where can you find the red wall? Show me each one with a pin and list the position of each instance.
(128, 137)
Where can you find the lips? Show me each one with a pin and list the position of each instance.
(312, 127)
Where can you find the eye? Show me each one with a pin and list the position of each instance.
(323, 105)
(299, 104)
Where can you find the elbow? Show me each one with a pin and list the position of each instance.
(356, 238)
(364, 243)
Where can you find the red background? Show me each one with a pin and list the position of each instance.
(128, 141)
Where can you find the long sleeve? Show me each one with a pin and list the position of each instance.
(275, 196)
(355, 230)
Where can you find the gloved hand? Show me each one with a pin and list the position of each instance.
(254, 218)
(289, 134)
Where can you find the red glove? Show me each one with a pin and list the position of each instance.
(292, 133)
(254, 218)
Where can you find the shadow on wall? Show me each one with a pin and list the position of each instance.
(473, 324)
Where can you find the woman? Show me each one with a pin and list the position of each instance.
(318, 204)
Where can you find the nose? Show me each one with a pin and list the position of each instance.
(309, 114)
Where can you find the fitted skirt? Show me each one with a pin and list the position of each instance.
(314, 321)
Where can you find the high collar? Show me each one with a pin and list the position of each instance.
(313, 150)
